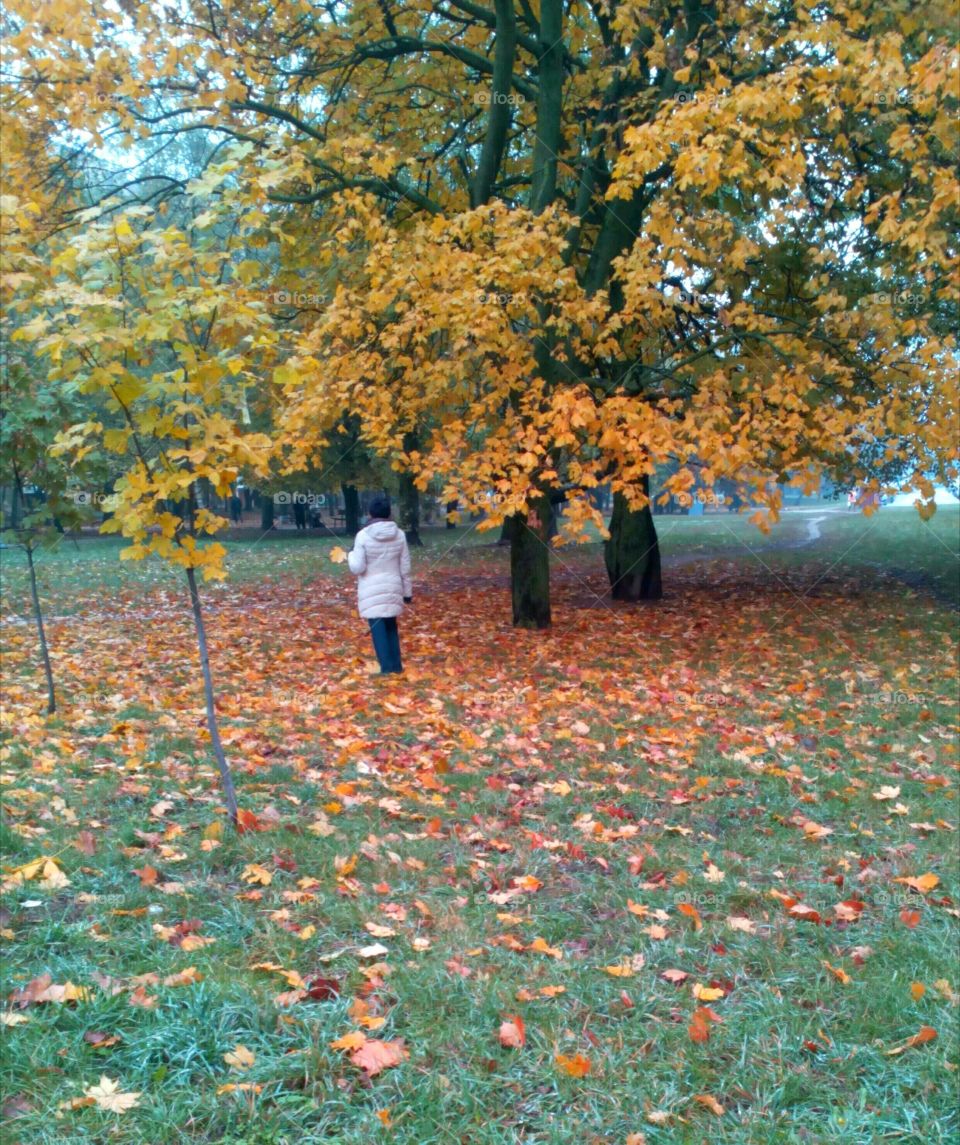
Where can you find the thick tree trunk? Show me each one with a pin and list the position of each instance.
(41, 634)
(410, 509)
(226, 777)
(266, 511)
(410, 496)
(632, 553)
(351, 507)
(507, 529)
(530, 567)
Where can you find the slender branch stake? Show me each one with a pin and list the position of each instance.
(224, 767)
(38, 615)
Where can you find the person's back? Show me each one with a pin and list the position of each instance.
(381, 561)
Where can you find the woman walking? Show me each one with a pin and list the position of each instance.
(381, 561)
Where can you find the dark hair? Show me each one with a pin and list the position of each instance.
(380, 508)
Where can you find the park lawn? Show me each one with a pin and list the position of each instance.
(726, 787)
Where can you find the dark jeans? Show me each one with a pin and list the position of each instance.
(386, 643)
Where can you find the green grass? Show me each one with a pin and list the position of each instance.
(767, 690)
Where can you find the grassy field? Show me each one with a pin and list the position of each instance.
(704, 851)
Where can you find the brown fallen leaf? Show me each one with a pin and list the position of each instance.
(709, 1102)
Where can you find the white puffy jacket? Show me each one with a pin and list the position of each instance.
(381, 560)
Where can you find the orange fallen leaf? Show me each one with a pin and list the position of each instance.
(351, 1041)
(692, 913)
(513, 1033)
(375, 1056)
(909, 918)
(699, 1028)
(838, 973)
(923, 884)
(921, 1037)
(541, 947)
(575, 1066)
(148, 875)
(917, 991)
(709, 1102)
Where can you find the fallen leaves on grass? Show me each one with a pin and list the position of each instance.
(920, 1038)
(513, 1032)
(240, 1057)
(576, 1065)
(107, 1096)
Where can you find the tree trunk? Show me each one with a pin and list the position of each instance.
(410, 509)
(225, 775)
(38, 616)
(632, 553)
(351, 507)
(451, 508)
(266, 511)
(530, 567)
(507, 530)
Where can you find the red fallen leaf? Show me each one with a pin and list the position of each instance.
(848, 911)
(575, 851)
(375, 1056)
(285, 861)
(626, 1000)
(513, 1032)
(148, 875)
(699, 1028)
(804, 913)
(247, 821)
(692, 913)
(322, 989)
(909, 918)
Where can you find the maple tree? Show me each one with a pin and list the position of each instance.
(144, 312)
